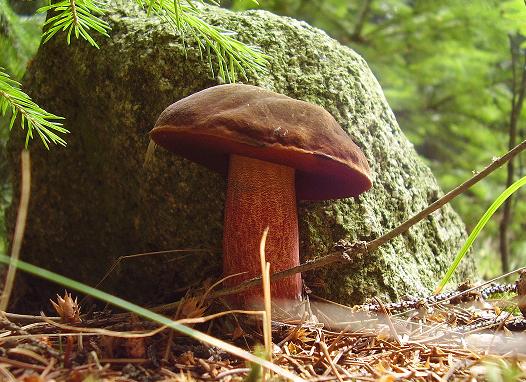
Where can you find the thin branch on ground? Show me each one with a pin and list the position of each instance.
(346, 252)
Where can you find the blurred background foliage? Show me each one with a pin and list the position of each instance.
(445, 67)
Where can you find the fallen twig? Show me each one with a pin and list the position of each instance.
(346, 252)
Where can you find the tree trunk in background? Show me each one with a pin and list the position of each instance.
(518, 87)
(362, 17)
(26, 7)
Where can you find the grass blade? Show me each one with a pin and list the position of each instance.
(19, 229)
(480, 225)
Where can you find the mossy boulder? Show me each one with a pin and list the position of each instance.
(94, 201)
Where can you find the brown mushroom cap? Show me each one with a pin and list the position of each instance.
(208, 126)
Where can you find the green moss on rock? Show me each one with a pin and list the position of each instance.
(93, 201)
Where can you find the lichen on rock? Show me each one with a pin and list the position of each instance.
(94, 201)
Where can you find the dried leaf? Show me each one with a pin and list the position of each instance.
(135, 347)
(187, 358)
(237, 333)
(33, 378)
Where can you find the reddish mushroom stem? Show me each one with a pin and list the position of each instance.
(261, 194)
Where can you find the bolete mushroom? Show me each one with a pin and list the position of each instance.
(274, 150)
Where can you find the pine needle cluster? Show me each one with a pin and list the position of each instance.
(233, 57)
(82, 19)
(76, 17)
(32, 117)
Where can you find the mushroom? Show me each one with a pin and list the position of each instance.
(274, 150)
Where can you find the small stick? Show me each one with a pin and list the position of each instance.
(68, 352)
(267, 320)
(20, 227)
(27, 319)
(325, 352)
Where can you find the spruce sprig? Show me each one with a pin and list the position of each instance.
(32, 117)
(75, 16)
(81, 17)
(232, 56)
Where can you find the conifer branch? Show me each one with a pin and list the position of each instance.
(81, 17)
(32, 117)
(77, 17)
(232, 56)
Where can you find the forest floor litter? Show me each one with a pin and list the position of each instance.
(467, 335)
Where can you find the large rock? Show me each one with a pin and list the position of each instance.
(93, 201)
